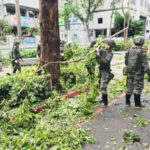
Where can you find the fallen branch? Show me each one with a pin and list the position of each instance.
(82, 58)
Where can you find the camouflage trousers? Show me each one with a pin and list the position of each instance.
(105, 78)
(16, 66)
(135, 83)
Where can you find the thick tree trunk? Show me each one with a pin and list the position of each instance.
(50, 42)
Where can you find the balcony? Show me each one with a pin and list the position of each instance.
(24, 3)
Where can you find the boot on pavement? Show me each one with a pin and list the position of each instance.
(128, 103)
(137, 100)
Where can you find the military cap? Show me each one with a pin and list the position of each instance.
(112, 43)
(139, 40)
(16, 43)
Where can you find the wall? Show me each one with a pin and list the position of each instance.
(25, 3)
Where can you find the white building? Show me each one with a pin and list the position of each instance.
(29, 10)
(140, 9)
(74, 29)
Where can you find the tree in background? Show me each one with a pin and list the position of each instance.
(82, 10)
(5, 28)
(112, 5)
(135, 27)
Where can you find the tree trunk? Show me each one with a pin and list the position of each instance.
(110, 24)
(124, 23)
(18, 18)
(50, 42)
(87, 30)
(128, 24)
(111, 19)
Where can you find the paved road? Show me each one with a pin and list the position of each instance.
(109, 127)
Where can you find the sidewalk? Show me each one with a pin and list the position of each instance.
(109, 127)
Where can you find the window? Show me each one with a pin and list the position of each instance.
(100, 20)
(33, 14)
(23, 12)
(100, 32)
(10, 10)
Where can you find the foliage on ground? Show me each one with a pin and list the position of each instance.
(53, 128)
(128, 138)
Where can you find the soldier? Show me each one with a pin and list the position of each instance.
(137, 65)
(104, 57)
(62, 46)
(38, 51)
(16, 57)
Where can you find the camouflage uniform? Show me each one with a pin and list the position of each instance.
(105, 56)
(16, 59)
(105, 71)
(137, 65)
(135, 78)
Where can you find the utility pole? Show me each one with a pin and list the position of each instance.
(18, 18)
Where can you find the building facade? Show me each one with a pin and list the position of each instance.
(139, 10)
(29, 10)
(74, 30)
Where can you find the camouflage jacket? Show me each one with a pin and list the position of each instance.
(16, 54)
(104, 59)
(141, 60)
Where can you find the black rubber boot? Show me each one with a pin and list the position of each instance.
(105, 100)
(128, 103)
(137, 100)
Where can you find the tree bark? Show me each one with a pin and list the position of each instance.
(18, 18)
(87, 30)
(50, 42)
(128, 24)
(124, 23)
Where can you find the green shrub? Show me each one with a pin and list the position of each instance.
(35, 88)
(146, 44)
(25, 53)
(28, 53)
(123, 45)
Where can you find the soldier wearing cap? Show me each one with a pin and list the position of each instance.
(16, 57)
(137, 65)
(104, 58)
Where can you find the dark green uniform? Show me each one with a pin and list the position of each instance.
(16, 59)
(137, 65)
(105, 58)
